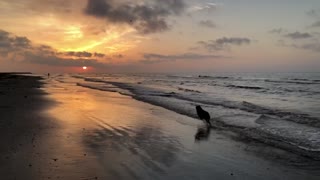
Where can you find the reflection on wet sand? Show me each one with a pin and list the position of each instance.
(144, 149)
(203, 133)
(125, 140)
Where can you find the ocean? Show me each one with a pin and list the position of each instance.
(279, 109)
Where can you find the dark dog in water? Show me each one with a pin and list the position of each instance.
(203, 115)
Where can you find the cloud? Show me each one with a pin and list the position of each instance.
(17, 48)
(224, 43)
(298, 35)
(29, 8)
(207, 23)
(82, 54)
(292, 35)
(313, 13)
(207, 7)
(309, 46)
(13, 42)
(99, 55)
(118, 56)
(38, 58)
(77, 54)
(146, 17)
(151, 58)
(313, 46)
(277, 31)
(315, 24)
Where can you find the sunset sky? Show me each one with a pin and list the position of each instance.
(159, 35)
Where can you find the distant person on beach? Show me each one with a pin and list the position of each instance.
(48, 75)
(203, 115)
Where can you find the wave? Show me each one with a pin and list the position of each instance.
(139, 90)
(244, 87)
(77, 76)
(290, 82)
(310, 92)
(103, 87)
(188, 90)
(94, 80)
(213, 77)
(303, 79)
(299, 79)
(283, 134)
(291, 133)
(271, 90)
(178, 76)
(257, 109)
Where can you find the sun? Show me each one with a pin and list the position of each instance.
(84, 67)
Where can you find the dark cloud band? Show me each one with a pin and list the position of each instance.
(150, 58)
(43, 54)
(146, 17)
(298, 35)
(224, 43)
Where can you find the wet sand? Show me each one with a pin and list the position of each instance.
(63, 131)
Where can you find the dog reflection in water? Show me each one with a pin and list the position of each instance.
(203, 133)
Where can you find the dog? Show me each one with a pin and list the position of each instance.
(203, 115)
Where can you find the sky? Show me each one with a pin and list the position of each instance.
(160, 35)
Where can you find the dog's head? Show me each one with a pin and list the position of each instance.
(198, 108)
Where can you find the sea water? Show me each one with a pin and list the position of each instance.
(280, 109)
